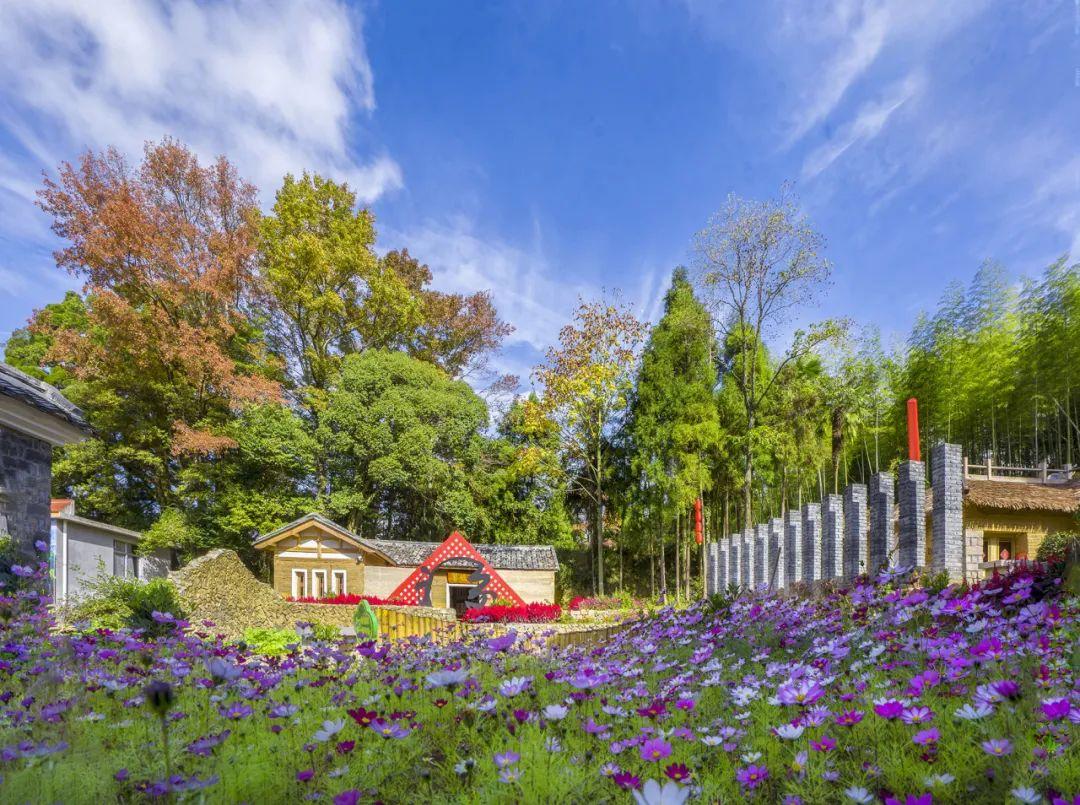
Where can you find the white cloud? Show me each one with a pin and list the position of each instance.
(536, 297)
(865, 126)
(277, 86)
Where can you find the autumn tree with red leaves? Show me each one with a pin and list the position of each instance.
(167, 354)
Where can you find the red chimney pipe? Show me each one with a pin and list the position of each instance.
(913, 430)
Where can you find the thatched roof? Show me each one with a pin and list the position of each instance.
(1014, 496)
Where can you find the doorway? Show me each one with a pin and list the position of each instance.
(457, 596)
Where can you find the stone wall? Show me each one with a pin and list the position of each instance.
(26, 478)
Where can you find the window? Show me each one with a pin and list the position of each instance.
(124, 561)
(299, 583)
(318, 583)
(340, 582)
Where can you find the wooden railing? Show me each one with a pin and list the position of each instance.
(395, 624)
(1044, 473)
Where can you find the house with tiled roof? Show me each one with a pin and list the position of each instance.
(34, 418)
(315, 557)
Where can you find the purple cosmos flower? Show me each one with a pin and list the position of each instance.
(1056, 709)
(677, 772)
(388, 729)
(889, 710)
(304, 775)
(849, 719)
(998, 747)
(350, 797)
(626, 781)
(927, 737)
(751, 776)
(800, 692)
(916, 715)
(655, 749)
(506, 759)
(823, 744)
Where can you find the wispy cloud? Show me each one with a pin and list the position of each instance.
(278, 86)
(867, 123)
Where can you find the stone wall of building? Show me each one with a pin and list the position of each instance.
(25, 487)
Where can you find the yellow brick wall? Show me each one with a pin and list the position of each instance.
(284, 565)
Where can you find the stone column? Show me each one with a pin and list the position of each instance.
(911, 499)
(855, 520)
(881, 526)
(832, 537)
(734, 562)
(710, 569)
(947, 545)
(775, 571)
(973, 554)
(761, 555)
(722, 564)
(793, 547)
(811, 542)
(746, 559)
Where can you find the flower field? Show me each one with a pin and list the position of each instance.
(880, 693)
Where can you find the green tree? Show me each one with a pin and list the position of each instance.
(586, 380)
(675, 429)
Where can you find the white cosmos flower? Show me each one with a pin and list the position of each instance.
(789, 732)
(1027, 795)
(974, 712)
(860, 795)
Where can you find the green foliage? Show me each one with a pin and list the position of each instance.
(1059, 546)
(273, 642)
(114, 603)
(325, 632)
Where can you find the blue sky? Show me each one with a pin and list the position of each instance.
(546, 150)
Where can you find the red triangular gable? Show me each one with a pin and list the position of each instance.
(454, 547)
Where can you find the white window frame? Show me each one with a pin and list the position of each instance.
(298, 572)
(129, 561)
(325, 585)
(339, 588)
(448, 586)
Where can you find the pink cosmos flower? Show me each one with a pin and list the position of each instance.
(823, 744)
(678, 772)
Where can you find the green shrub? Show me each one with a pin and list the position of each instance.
(326, 632)
(1059, 546)
(270, 641)
(115, 603)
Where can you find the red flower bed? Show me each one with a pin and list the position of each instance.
(530, 613)
(344, 598)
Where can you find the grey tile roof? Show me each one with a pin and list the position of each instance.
(500, 557)
(40, 395)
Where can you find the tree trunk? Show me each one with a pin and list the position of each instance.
(748, 476)
(678, 554)
(663, 559)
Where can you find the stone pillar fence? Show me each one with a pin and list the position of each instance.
(868, 529)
